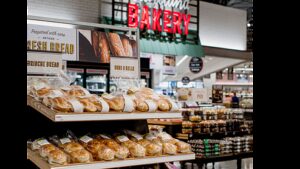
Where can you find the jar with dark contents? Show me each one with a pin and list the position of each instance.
(229, 125)
(236, 124)
(214, 126)
(187, 127)
(196, 127)
(221, 114)
(221, 125)
(205, 126)
(214, 115)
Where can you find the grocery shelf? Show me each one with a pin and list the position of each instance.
(69, 117)
(43, 164)
(218, 135)
(159, 122)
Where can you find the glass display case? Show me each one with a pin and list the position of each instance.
(96, 80)
(77, 76)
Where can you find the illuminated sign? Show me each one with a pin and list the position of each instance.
(154, 16)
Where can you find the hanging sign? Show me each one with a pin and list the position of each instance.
(169, 65)
(185, 80)
(124, 68)
(196, 64)
(52, 39)
(44, 63)
(155, 17)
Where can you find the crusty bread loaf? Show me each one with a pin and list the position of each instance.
(116, 44)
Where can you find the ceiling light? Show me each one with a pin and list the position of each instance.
(248, 24)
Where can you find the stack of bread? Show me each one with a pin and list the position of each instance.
(102, 147)
(77, 99)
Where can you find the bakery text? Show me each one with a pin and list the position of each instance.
(52, 46)
(158, 20)
(42, 64)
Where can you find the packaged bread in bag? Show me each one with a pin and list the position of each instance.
(66, 104)
(98, 150)
(87, 104)
(119, 103)
(50, 152)
(76, 151)
(152, 149)
(167, 148)
(100, 104)
(135, 149)
(121, 152)
(182, 147)
(75, 91)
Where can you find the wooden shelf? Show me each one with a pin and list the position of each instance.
(159, 122)
(69, 117)
(43, 164)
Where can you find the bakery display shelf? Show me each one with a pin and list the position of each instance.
(225, 157)
(248, 110)
(69, 117)
(43, 164)
(218, 135)
(159, 122)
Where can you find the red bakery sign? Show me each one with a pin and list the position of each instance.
(160, 20)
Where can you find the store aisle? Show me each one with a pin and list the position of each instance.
(246, 164)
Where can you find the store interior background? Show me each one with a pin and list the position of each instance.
(225, 33)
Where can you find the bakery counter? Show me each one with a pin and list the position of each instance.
(71, 117)
(43, 164)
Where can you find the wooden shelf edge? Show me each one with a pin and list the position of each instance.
(41, 163)
(69, 117)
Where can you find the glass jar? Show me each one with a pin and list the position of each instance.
(214, 126)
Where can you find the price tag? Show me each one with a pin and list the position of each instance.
(233, 133)
(65, 140)
(211, 134)
(43, 142)
(86, 139)
(104, 136)
(122, 138)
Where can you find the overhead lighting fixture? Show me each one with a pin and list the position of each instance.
(182, 60)
(245, 69)
(44, 23)
(248, 24)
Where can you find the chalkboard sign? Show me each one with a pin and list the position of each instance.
(196, 64)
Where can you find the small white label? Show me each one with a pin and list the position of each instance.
(104, 136)
(107, 96)
(105, 106)
(43, 142)
(128, 104)
(122, 138)
(65, 140)
(152, 105)
(39, 86)
(55, 93)
(86, 139)
(77, 106)
(137, 136)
